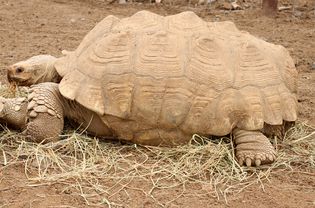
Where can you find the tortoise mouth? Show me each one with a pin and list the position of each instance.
(20, 81)
(17, 75)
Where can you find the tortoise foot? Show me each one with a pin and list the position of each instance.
(253, 148)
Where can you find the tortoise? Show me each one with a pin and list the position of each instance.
(158, 80)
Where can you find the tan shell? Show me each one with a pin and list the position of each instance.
(180, 72)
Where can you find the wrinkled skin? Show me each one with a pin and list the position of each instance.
(37, 69)
(46, 109)
(13, 112)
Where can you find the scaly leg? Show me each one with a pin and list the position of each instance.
(45, 113)
(253, 148)
(47, 109)
(13, 112)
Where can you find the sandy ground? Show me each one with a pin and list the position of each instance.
(34, 27)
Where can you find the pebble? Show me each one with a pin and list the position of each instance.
(297, 13)
(313, 66)
(226, 6)
(204, 1)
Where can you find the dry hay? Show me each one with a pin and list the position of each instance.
(98, 170)
(11, 91)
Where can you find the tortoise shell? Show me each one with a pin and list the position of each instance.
(180, 72)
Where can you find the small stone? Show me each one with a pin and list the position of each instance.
(72, 20)
(230, 6)
(122, 1)
(235, 6)
(206, 1)
(226, 6)
(313, 65)
(41, 195)
(282, 8)
(297, 14)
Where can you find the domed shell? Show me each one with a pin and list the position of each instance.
(181, 72)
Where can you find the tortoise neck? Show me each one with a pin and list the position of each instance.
(49, 74)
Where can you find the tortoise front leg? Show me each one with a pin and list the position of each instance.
(45, 113)
(253, 148)
(13, 112)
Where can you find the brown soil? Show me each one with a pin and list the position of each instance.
(48, 26)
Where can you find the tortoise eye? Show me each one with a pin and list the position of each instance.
(19, 70)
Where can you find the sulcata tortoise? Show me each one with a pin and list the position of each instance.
(157, 80)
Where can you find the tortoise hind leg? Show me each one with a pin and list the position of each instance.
(253, 148)
(277, 130)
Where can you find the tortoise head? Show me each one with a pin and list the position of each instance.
(34, 70)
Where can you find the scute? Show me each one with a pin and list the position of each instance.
(186, 23)
(206, 64)
(143, 20)
(254, 104)
(68, 63)
(179, 72)
(160, 50)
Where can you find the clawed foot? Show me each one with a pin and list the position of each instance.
(253, 148)
(255, 158)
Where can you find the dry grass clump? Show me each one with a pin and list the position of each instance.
(11, 91)
(98, 170)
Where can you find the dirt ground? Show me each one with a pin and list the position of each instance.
(34, 27)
